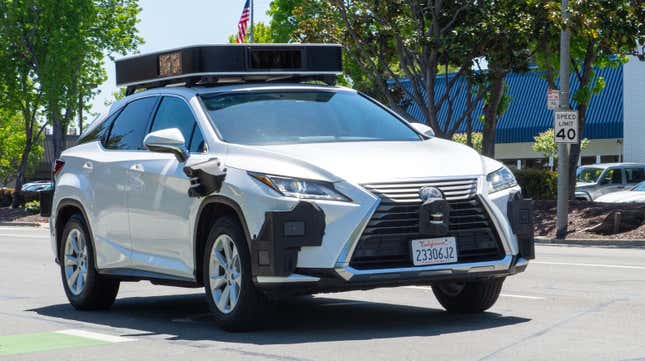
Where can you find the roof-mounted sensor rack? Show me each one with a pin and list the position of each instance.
(230, 63)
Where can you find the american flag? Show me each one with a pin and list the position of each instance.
(243, 24)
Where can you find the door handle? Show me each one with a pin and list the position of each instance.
(88, 166)
(136, 167)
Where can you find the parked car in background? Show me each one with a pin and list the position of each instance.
(634, 195)
(37, 186)
(597, 180)
(31, 191)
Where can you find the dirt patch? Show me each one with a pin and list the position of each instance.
(20, 215)
(583, 215)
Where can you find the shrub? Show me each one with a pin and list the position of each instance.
(33, 207)
(537, 184)
(5, 197)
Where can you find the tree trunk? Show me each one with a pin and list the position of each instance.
(574, 152)
(18, 199)
(490, 112)
(58, 133)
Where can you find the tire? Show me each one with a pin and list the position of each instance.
(94, 292)
(468, 297)
(234, 314)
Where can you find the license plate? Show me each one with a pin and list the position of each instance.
(434, 251)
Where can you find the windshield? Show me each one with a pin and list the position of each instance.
(303, 116)
(588, 175)
(640, 187)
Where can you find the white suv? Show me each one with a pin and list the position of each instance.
(258, 191)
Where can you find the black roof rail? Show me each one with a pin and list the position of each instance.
(231, 63)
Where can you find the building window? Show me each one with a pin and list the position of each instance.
(588, 160)
(609, 159)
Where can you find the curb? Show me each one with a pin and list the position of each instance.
(21, 224)
(625, 243)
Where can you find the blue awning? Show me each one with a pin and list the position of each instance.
(527, 114)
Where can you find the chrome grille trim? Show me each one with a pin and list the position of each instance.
(408, 192)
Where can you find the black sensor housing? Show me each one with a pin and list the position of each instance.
(213, 64)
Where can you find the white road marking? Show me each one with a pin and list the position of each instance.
(345, 303)
(522, 296)
(589, 265)
(14, 235)
(427, 288)
(96, 336)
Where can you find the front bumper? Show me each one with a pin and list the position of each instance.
(308, 281)
(513, 224)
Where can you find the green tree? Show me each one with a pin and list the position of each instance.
(116, 96)
(261, 34)
(52, 58)
(475, 142)
(545, 143)
(602, 33)
(425, 42)
(12, 144)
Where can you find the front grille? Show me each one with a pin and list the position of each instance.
(408, 192)
(386, 238)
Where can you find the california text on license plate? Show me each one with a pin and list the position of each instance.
(434, 251)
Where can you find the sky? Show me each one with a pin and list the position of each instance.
(167, 24)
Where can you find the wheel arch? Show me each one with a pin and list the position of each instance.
(65, 209)
(209, 210)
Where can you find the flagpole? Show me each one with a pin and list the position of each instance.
(251, 40)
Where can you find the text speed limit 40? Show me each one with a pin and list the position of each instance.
(566, 127)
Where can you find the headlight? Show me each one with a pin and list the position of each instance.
(500, 179)
(301, 188)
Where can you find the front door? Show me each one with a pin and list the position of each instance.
(160, 208)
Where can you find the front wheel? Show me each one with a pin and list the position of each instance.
(232, 297)
(468, 297)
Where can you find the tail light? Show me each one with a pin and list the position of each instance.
(58, 165)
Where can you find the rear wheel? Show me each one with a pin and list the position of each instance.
(84, 287)
(468, 297)
(232, 297)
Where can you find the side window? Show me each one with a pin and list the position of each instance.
(100, 131)
(197, 144)
(175, 113)
(130, 126)
(613, 176)
(635, 175)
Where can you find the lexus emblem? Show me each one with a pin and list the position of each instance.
(429, 193)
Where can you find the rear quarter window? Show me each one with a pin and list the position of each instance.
(99, 132)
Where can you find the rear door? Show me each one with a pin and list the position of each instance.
(612, 180)
(633, 176)
(158, 198)
(109, 171)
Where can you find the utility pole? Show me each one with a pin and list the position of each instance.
(563, 149)
(251, 37)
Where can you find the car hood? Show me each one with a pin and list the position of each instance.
(622, 197)
(584, 185)
(361, 162)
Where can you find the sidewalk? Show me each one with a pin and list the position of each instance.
(623, 243)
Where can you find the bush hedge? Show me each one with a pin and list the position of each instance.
(5, 197)
(539, 184)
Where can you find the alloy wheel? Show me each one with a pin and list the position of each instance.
(225, 274)
(76, 261)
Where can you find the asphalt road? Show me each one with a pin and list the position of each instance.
(573, 303)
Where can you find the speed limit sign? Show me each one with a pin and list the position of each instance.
(566, 127)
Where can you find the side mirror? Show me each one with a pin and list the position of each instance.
(167, 141)
(423, 129)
